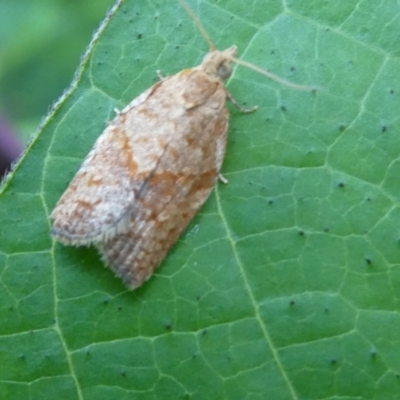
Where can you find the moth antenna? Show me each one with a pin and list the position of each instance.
(261, 71)
(198, 24)
(273, 76)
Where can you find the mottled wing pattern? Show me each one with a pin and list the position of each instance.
(195, 123)
(150, 171)
(100, 199)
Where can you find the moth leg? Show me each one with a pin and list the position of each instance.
(117, 111)
(222, 179)
(238, 106)
(160, 76)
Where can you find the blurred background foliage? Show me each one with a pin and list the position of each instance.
(41, 42)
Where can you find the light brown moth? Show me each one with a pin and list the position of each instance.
(152, 168)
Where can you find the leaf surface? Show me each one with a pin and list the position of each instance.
(286, 284)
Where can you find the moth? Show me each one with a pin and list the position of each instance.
(152, 168)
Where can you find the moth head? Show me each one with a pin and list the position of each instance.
(218, 64)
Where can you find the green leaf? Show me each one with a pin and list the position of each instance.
(286, 284)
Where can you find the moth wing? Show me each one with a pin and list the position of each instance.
(178, 187)
(103, 193)
(134, 254)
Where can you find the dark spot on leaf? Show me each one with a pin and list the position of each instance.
(139, 35)
(373, 354)
(326, 229)
(391, 91)
(368, 261)
(168, 326)
(301, 233)
(326, 310)
(342, 128)
(333, 361)
(384, 128)
(341, 184)
(123, 373)
(270, 202)
(292, 303)
(119, 308)
(368, 199)
(283, 108)
(293, 69)
(106, 301)
(204, 332)
(22, 357)
(198, 297)
(272, 51)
